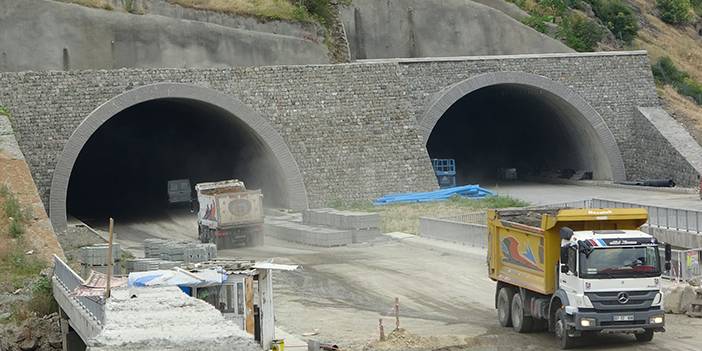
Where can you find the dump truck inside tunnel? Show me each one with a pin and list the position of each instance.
(124, 168)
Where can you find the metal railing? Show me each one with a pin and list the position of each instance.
(71, 280)
(662, 217)
(478, 217)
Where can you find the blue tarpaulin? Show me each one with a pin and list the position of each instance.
(467, 191)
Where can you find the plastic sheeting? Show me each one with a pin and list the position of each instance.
(467, 191)
(203, 278)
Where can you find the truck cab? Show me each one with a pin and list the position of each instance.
(609, 282)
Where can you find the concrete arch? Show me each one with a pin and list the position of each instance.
(294, 184)
(589, 117)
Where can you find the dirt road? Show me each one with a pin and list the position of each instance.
(443, 289)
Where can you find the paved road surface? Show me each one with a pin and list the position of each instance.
(539, 194)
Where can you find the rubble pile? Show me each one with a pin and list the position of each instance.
(35, 333)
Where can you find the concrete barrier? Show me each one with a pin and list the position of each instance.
(453, 231)
(675, 237)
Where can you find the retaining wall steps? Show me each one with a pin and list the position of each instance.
(325, 227)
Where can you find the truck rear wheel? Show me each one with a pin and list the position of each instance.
(561, 329)
(520, 321)
(645, 336)
(504, 306)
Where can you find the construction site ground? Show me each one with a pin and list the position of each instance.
(446, 298)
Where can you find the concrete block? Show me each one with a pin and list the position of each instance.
(341, 219)
(97, 254)
(306, 234)
(458, 232)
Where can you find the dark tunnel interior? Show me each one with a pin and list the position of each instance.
(123, 169)
(515, 126)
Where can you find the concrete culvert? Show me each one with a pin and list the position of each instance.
(123, 169)
(516, 126)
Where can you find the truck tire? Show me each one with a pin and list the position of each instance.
(645, 336)
(561, 329)
(520, 321)
(504, 306)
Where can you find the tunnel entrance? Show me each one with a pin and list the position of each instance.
(506, 126)
(123, 169)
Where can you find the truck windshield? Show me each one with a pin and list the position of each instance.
(620, 262)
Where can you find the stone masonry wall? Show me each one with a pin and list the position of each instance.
(348, 126)
(352, 128)
(612, 83)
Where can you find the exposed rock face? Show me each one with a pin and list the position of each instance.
(49, 35)
(437, 28)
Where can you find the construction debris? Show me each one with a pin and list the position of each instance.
(683, 298)
(163, 318)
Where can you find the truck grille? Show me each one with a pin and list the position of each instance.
(622, 300)
(620, 323)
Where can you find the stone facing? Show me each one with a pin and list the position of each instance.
(352, 128)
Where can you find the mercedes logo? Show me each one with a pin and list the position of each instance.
(623, 297)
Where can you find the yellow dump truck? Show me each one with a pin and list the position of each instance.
(576, 272)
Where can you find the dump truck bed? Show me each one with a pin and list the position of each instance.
(524, 245)
(227, 204)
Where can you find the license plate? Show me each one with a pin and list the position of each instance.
(623, 318)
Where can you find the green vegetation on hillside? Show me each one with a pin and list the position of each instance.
(675, 11)
(697, 7)
(618, 17)
(266, 9)
(665, 72)
(19, 267)
(580, 33)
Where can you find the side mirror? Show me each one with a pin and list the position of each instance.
(564, 269)
(564, 255)
(668, 253)
(566, 233)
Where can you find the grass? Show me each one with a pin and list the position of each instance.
(13, 212)
(4, 111)
(665, 72)
(268, 9)
(405, 217)
(18, 270)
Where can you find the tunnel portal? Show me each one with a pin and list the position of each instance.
(517, 126)
(123, 169)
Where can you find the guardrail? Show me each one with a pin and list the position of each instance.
(71, 280)
(662, 217)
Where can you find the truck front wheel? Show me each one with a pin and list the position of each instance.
(504, 306)
(561, 329)
(645, 336)
(520, 321)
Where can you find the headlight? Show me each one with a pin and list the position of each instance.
(657, 300)
(583, 301)
(587, 322)
(656, 320)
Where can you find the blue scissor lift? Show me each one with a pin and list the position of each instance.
(445, 170)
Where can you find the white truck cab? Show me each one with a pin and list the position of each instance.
(609, 282)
